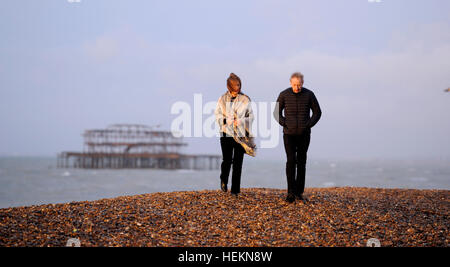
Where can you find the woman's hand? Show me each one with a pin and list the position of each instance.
(230, 120)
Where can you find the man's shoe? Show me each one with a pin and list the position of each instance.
(223, 186)
(235, 195)
(290, 198)
(301, 197)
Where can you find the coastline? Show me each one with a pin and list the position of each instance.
(338, 216)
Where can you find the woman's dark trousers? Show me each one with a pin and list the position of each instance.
(296, 147)
(232, 154)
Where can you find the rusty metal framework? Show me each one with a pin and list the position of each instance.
(134, 146)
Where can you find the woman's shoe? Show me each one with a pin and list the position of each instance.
(223, 186)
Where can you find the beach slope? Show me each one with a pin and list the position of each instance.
(344, 216)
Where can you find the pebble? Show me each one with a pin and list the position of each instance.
(339, 216)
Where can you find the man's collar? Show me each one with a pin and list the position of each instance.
(292, 90)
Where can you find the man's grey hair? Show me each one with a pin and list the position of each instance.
(297, 75)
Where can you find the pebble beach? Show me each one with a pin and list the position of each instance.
(259, 217)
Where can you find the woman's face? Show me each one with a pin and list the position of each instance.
(235, 86)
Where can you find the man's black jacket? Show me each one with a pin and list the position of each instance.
(297, 106)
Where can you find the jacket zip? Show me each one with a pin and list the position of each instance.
(296, 108)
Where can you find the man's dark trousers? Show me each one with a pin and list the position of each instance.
(296, 147)
(232, 154)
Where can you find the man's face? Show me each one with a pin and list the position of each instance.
(296, 84)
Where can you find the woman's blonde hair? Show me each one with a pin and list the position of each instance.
(233, 77)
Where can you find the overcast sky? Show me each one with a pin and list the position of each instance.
(379, 70)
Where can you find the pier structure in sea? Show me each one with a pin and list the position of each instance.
(134, 146)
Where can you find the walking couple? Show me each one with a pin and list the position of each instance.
(234, 116)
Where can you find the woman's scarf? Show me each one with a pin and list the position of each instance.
(241, 110)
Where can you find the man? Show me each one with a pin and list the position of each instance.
(296, 101)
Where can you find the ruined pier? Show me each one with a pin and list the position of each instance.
(134, 146)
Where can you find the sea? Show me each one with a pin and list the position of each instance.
(26, 181)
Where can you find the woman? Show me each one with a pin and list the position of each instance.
(234, 116)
